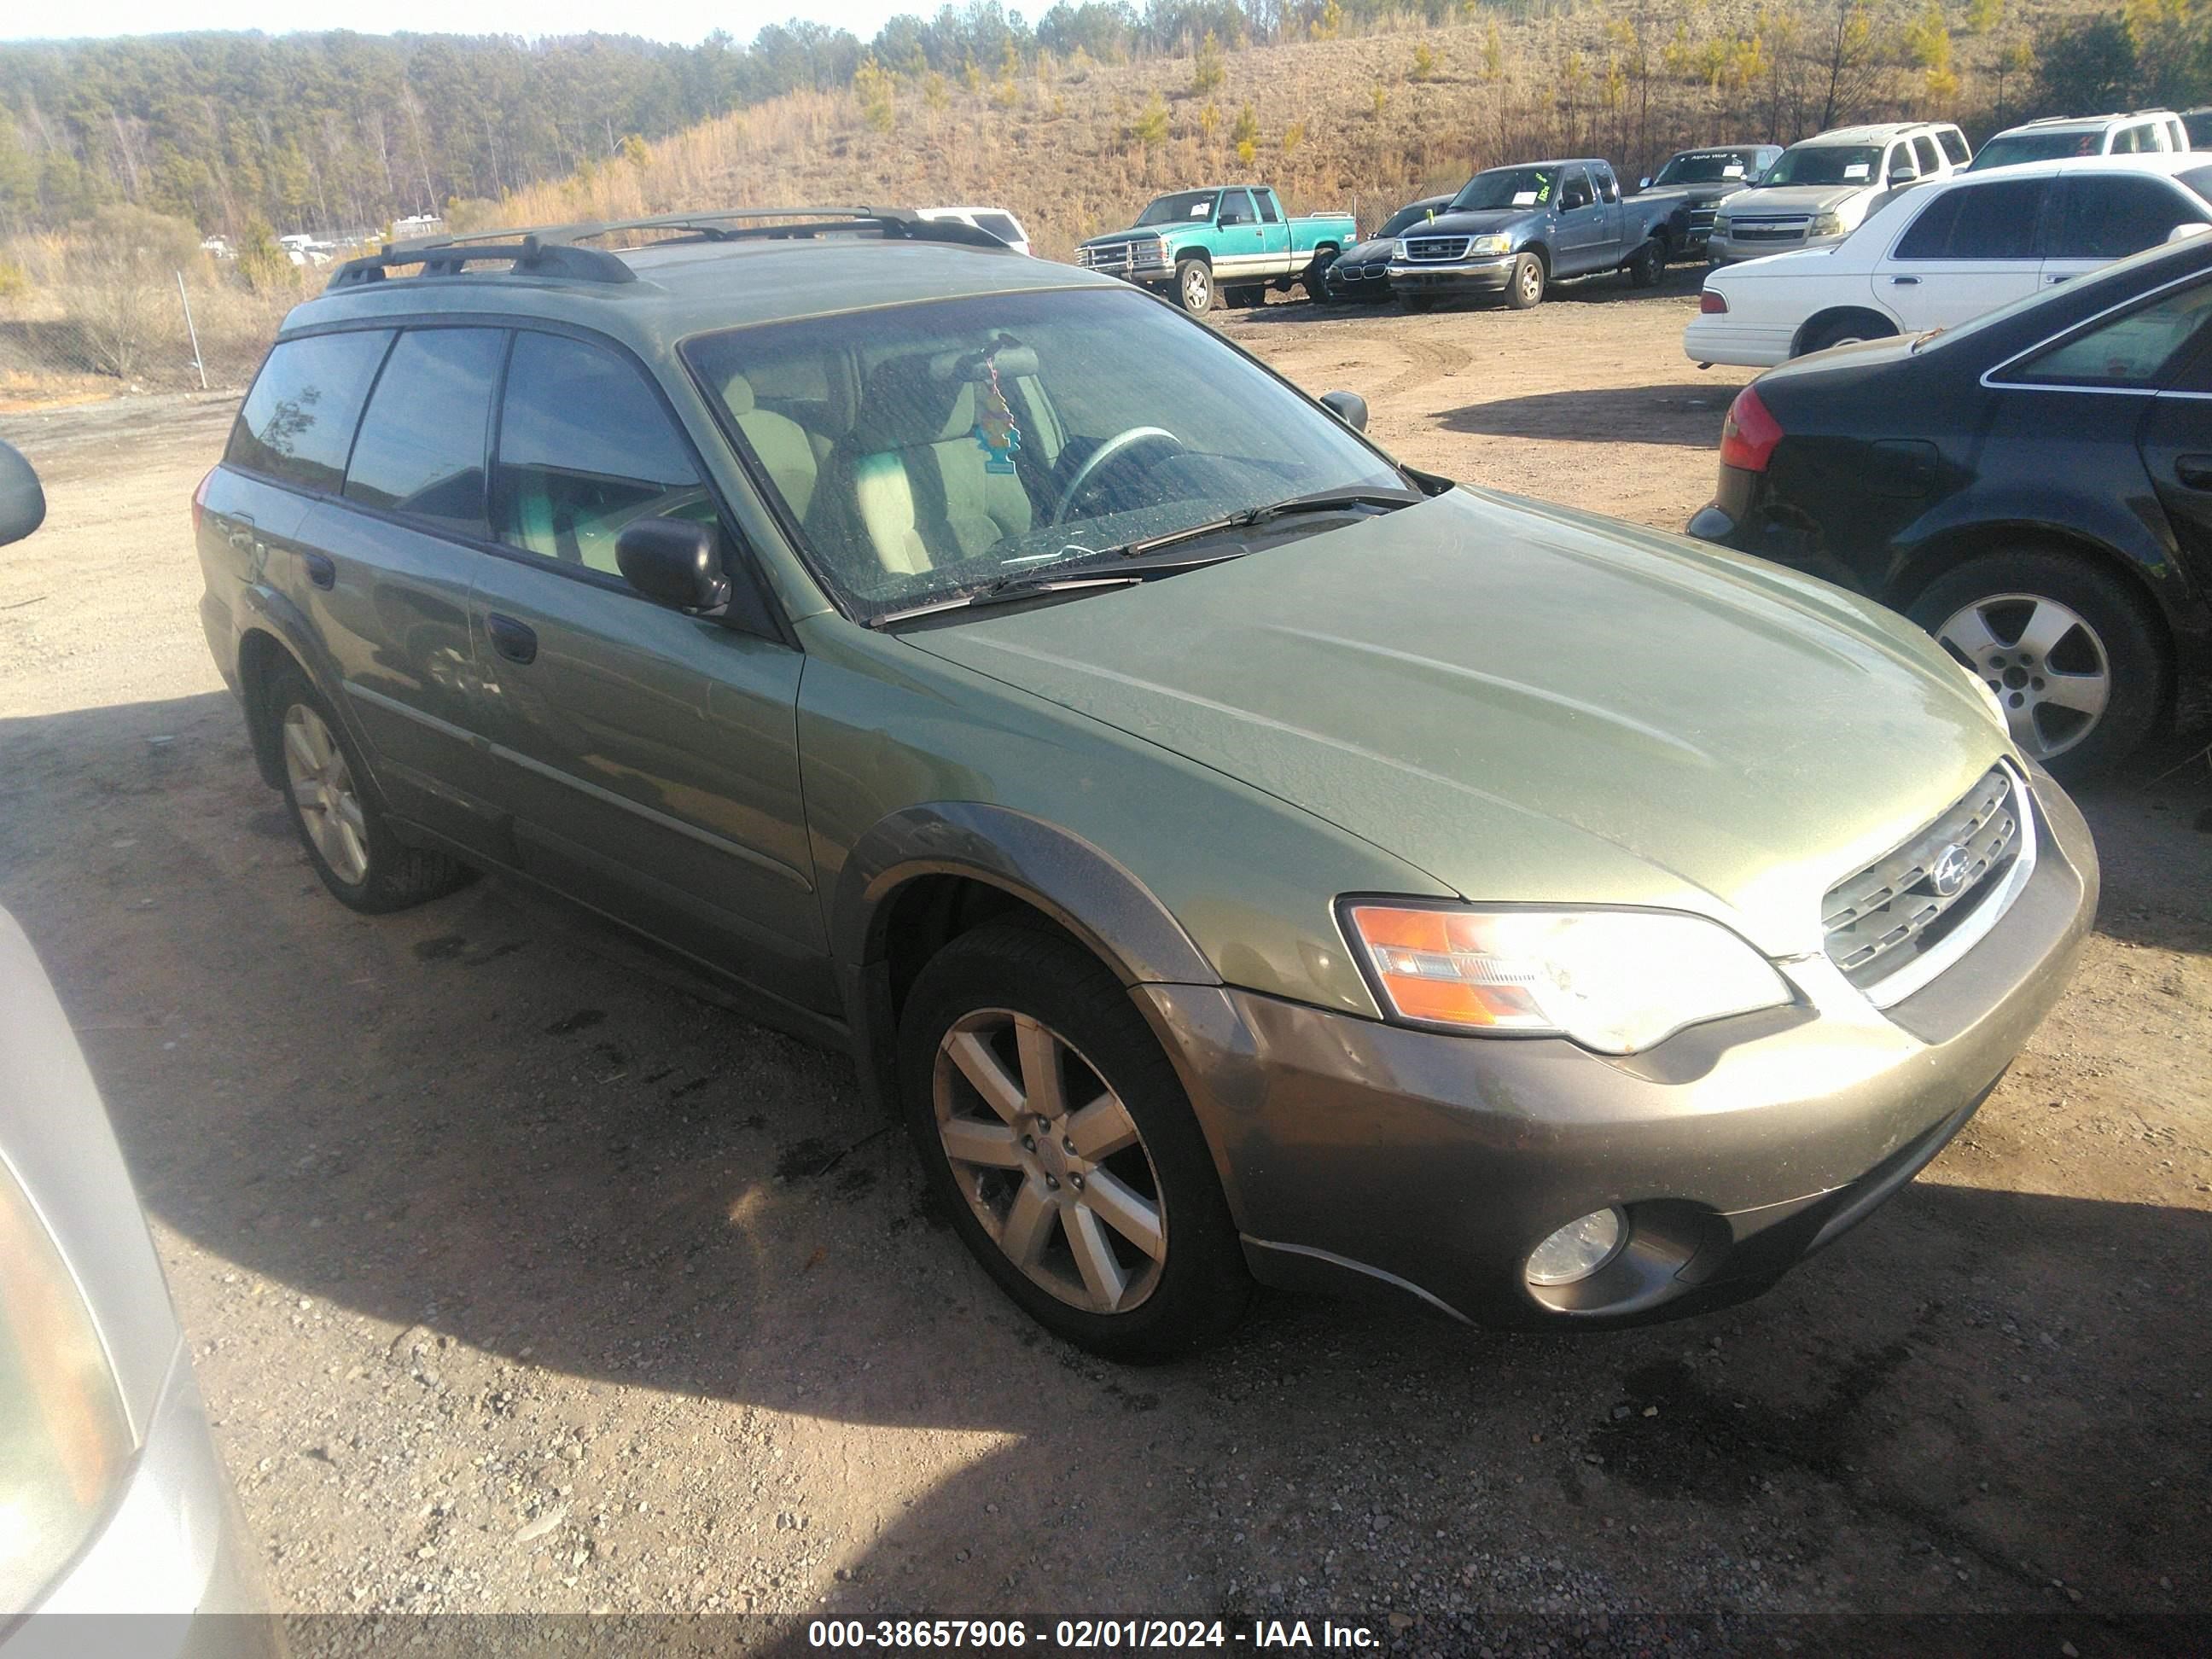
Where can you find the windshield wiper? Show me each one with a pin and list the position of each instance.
(1321, 501)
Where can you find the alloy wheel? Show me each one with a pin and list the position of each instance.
(323, 789)
(1050, 1161)
(2045, 663)
(1196, 287)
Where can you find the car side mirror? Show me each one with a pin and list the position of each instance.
(2187, 229)
(1643, 183)
(1347, 406)
(673, 562)
(22, 502)
(1905, 175)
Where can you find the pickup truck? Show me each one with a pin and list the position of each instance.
(1694, 182)
(1515, 230)
(1228, 241)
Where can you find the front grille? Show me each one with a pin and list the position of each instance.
(1770, 230)
(1436, 249)
(1701, 218)
(1889, 913)
(1120, 259)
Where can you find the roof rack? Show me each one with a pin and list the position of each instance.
(555, 251)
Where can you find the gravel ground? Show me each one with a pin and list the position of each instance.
(523, 1275)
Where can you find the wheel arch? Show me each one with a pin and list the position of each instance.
(1820, 319)
(274, 635)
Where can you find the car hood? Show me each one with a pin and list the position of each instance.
(1695, 195)
(1532, 705)
(1794, 198)
(1361, 253)
(1134, 230)
(1486, 221)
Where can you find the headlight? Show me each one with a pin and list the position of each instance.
(1486, 247)
(1397, 245)
(1720, 224)
(63, 1439)
(1614, 980)
(1828, 224)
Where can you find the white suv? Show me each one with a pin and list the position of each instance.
(2146, 132)
(1823, 189)
(1937, 257)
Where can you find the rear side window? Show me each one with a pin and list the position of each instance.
(2108, 216)
(1924, 151)
(1979, 221)
(298, 421)
(1266, 203)
(422, 447)
(2134, 351)
(999, 225)
(585, 447)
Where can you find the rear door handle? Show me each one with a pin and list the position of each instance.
(322, 569)
(2194, 471)
(2053, 281)
(510, 638)
(1904, 282)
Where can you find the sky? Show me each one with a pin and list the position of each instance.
(685, 21)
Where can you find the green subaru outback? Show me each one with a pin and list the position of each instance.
(1238, 858)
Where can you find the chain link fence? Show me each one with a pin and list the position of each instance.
(105, 333)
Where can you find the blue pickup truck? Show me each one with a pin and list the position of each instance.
(1515, 231)
(1230, 243)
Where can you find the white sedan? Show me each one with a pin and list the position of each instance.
(1945, 252)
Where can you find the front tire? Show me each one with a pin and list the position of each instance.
(2076, 657)
(1193, 281)
(366, 867)
(1524, 286)
(1648, 264)
(1057, 1136)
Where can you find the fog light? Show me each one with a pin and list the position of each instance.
(1578, 1249)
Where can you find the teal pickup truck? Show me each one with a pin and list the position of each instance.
(1228, 241)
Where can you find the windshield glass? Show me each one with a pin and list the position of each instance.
(2011, 149)
(1405, 216)
(1184, 205)
(929, 450)
(1826, 164)
(1706, 167)
(1508, 187)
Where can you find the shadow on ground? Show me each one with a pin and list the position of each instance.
(1686, 413)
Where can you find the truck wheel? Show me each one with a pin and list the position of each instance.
(1524, 287)
(1316, 280)
(1194, 286)
(1647, 264)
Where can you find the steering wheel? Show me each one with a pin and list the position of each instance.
(1106, 451)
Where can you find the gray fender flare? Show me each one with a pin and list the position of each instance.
(1085, 889)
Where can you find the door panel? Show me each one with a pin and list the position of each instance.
(1972, 248)
(1582, 228)
(1240, 250)
(2099, 217)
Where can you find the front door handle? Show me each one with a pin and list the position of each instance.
(2195, 472)
(511, 639)
(1904, 282)
(322, 569)
(2053, 281)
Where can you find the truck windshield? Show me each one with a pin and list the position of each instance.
(1507, 188)
(1827, 164)
(931, 450)
(1178, 209)
(1706, 167)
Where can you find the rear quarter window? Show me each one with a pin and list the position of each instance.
(298, 421)
(1955, 146)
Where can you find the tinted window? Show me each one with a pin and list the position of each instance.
(999, 225)
(2134, 349)
(585, 446)
(1923, 153)
(2105, 217)
(1979, 221)
(422, 445)
(2134, 141)
(298, 421)
(1266, 201)
(1955, 146)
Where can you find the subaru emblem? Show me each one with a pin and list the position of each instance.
(1948, 873)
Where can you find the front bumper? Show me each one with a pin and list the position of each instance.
(1461, 276)
(1360, 1154)
(1727, 250)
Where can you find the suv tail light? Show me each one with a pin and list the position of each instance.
(199, 500)
(1749, 434)
(1711, 302)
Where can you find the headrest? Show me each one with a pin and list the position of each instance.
(913, 401)
(738, 395)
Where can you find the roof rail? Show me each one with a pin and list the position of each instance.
(555, 249)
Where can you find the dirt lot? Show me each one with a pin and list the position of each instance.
(522, 1276)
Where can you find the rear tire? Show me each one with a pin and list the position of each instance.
(1194, 286)
(2054, 633)
(1842, 330)
(329, 797)
(1142, 1222)
(1525, 284)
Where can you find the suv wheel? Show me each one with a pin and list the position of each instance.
(2075, 657)
(1058, 1137)
(1524, 285)
(352, 849)
(1193, 281)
